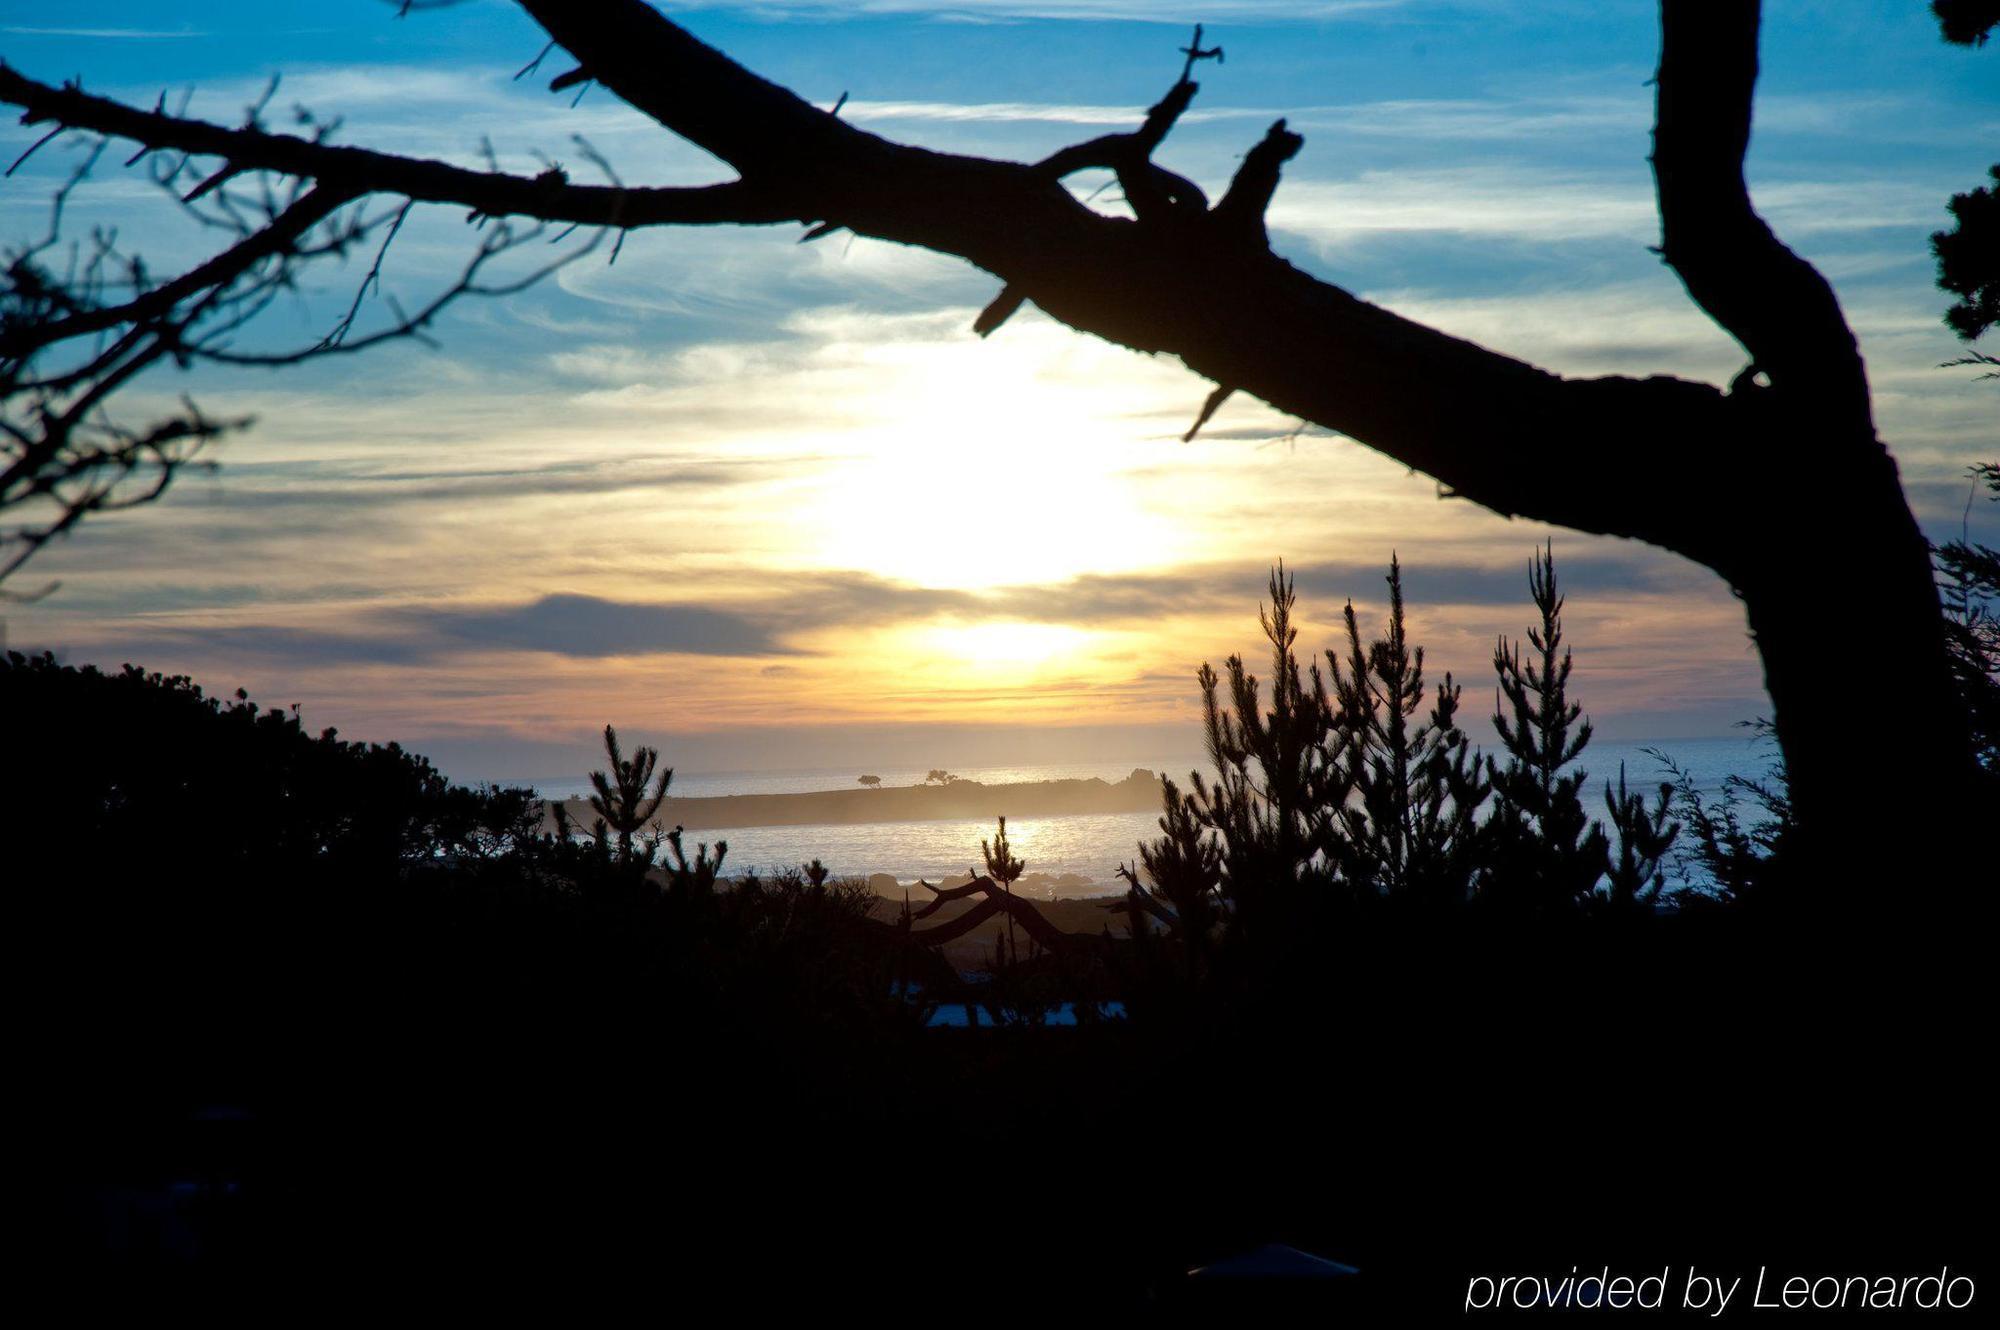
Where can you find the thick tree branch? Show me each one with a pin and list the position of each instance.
(701, 94)
(1502, 433)
(1495, 430)
(1242, 208)
(1772, 301)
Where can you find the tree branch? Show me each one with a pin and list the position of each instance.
(285, 231)
(1511, 437)
(548, 197)
(1768, 298)
(1180, 279)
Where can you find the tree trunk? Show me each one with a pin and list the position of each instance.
(1844, 610)
(1820, 542)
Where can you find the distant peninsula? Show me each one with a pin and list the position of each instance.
(1137, 793)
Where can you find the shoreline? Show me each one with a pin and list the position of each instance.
(1137, 793)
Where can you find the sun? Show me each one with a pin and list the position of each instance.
(977, 470)
(1013, 648)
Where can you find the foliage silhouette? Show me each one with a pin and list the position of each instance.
(1545, 851)
(1740, 857)
(1332, 794)
(1968, 259)
(1273, 796)
(627, 797)
(81, 320)
(1409, 825)
(1966, 22)
(429, 1020)
(1971, 590)
(1004, 868)
(1637, 877)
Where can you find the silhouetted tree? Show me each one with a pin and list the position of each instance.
(694, 878)
(1966, 22)
(1743, 856)
(135, 762)
(1637, 876)
(79, 322)
(1276, 786)
(1968, 255)
(1408, 827)
(1004, 868)
(629, 795)
(1544, 850)
(1968, 259)
(1700, 470)
(872, 782)
(1185, 868)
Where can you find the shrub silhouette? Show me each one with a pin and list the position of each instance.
(1739, 856)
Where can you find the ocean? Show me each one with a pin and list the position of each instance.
(1084, 849)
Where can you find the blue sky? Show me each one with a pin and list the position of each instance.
(733, 491)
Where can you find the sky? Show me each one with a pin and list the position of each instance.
(774, 505)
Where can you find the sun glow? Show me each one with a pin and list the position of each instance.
(994, 466)
(1015, 648)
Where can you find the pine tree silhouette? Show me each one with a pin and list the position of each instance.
(1185, 866)
(622, 800)
(1410, 824)
(1271, 800)
(697, 877)
(1645, 835)
(1004, 868)
(1544, 850)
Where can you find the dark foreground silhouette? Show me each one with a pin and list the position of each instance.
(308, 1026)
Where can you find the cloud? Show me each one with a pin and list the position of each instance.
(302, 485)
(855, 600)
(116, 34)
(587, 626)
(577, 626)
(1430, 584)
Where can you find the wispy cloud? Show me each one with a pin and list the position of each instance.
(1147, 11)
(116, 34)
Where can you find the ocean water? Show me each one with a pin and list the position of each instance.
(1089, 846)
